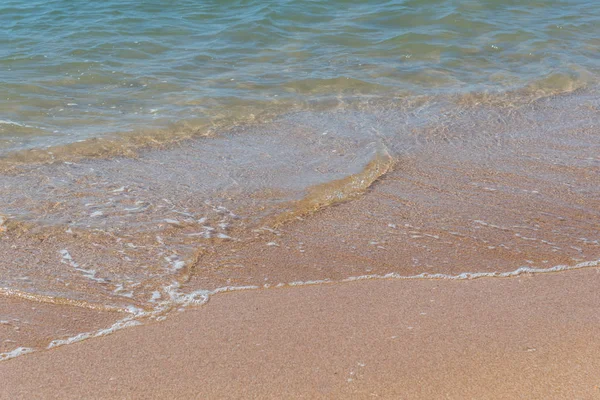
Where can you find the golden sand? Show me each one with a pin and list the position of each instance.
(533, 337)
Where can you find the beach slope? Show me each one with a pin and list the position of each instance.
(532, 336)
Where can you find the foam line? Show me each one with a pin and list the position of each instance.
(9, 122)
(19, 351)
(201, 297)
(122, 324)
(461, 276)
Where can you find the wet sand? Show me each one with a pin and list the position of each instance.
(477, 190)
(532, 336)
(439, 187)
(25, 323)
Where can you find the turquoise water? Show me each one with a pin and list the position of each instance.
(72, 70)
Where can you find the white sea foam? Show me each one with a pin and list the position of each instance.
(461, 276)
(175, 264)
(302, 283)
(184, 299)
(197, 297)
(88, 273)
(122, 324)
(233, 289)
(19, 351)
(9, 122)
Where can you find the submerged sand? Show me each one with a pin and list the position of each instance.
(435, 189)
(533, 337)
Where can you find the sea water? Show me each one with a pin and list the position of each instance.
(155, 154)
(72, 71)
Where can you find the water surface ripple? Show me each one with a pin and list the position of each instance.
(70, 71)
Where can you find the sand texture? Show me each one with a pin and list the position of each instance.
(530, 337)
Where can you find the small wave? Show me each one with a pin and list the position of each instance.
(341, 190)
(8, 122)
(551, 85)
(226, 118)
(21, 129)
(131, 143)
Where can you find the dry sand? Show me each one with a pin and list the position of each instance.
(530, 337)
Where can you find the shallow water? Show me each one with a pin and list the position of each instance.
(154, 156)
(71, 71)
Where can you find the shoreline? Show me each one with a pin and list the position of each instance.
(477, 193)
(497, 338)
(200, 298)
(496, 194)
(300, 200)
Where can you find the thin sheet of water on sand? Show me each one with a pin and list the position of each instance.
(442, 187)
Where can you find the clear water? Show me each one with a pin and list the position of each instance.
(348, 140)
(70, 70)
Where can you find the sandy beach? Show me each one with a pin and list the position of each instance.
(533, 337)
(106, 245)
(299, 200)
